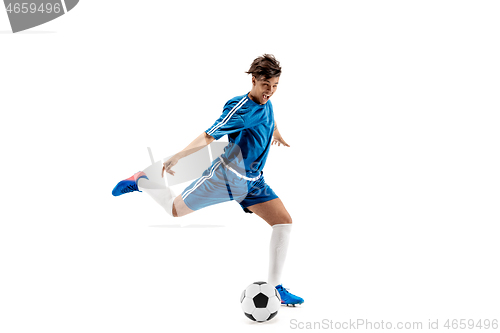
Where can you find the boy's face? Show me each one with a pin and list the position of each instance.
(263, 89)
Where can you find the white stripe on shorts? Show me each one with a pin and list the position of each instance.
(201, 180)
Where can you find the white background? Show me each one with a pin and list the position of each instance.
(392, 178)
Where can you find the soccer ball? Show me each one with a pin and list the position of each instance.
(260, 301)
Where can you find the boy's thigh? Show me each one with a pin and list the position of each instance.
(272, 211)
(180, 208)
(262, 201)
(210, 189)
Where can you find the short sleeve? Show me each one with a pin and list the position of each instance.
(229, 122)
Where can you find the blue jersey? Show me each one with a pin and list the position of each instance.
(249, 127)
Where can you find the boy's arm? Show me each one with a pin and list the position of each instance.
(277, 137)
(200, 142)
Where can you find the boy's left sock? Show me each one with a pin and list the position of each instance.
(278, 248)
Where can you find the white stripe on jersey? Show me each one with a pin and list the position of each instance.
(239, 174)
(201, 180)
(229, 115)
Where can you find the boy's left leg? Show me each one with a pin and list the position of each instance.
(276, 215)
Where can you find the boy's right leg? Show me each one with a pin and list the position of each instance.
(205, 191)
(211, 188)
(179, 208)
(159, 192)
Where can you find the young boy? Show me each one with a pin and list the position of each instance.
(248, 121)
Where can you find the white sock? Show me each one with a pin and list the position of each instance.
(163, 195)
(277, 252)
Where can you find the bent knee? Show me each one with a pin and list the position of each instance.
(175, 205)
(280, 219)
(286, 219)
(179, 207)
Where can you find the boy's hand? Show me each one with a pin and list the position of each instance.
(279, 140)
(167, 166)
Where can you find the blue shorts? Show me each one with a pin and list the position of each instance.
(219, 184)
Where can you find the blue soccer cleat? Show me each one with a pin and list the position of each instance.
(129, 184)
(288, 298)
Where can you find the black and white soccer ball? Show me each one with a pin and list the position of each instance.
(260, 301)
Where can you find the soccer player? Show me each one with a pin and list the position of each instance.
(248, 121)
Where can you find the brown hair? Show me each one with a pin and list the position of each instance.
(265, 66)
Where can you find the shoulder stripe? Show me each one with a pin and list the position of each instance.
(229, 115)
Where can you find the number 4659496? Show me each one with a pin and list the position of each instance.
(471, 324)
(32, 8)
